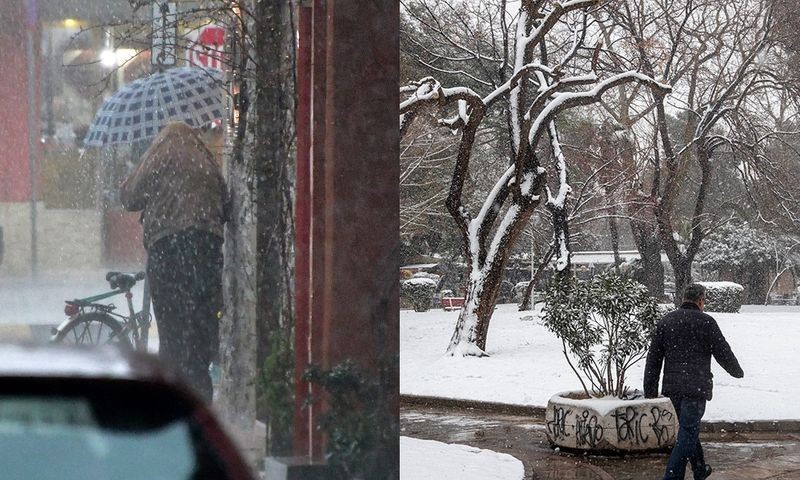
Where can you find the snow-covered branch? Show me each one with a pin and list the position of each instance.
(559, 10)
(515, 79)
(565, 100)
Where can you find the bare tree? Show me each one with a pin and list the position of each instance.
(716, 54)
(550, 71)
(425, 158)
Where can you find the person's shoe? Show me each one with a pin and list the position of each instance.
(706, 472)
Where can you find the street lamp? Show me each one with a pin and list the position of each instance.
(111, 58)
(107, 58)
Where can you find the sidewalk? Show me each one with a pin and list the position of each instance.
(751, 455)
(714, 426)
(31, 308)
(41, 333)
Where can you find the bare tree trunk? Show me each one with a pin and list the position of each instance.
(477, 311)
(561, 245)
(273, 143)
(772, 284)
(469, 337)
(526, 298)
(614, 232)
(236, 397)
(648, 242)
(683, 277)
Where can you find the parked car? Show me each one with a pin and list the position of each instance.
(69, 413)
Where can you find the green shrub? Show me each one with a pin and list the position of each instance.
(604, 324)
(419, 291)
(362, 432)
(275, 393)
(723, 297)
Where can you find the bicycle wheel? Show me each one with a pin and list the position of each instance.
(92, 328)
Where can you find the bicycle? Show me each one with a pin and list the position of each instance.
(92, 323)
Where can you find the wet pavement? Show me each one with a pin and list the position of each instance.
(734, 456)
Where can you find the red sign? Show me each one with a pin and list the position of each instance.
(206, 47)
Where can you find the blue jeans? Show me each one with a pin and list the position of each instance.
(687, 447)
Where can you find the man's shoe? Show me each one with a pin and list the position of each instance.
(706, 472)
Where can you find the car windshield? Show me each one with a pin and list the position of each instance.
(77, 437)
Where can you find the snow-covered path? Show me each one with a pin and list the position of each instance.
(527, 366)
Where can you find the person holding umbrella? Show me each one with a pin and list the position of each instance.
(179, 188)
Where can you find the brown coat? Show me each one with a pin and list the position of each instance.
(178, 185)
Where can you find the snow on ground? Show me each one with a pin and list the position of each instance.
(527, 365)
(426, 459)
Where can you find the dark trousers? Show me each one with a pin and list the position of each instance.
(185, 275)
(687, 446)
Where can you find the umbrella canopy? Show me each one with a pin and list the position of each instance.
(140, 109)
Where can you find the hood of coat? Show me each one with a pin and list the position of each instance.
(179, 144)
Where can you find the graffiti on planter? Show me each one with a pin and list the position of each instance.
(662, 419)
(587, 430)
(558, 425)
(629, 425)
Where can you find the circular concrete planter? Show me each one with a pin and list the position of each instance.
(574, 421)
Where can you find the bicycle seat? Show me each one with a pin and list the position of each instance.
(123, 281)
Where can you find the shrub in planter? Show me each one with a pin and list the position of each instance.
(608, 424)
(725, 297)
(604, 325)
(419, 291)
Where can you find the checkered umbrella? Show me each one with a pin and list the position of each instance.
(140, 109)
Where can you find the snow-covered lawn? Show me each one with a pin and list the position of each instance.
(426, 459)
(527, 366)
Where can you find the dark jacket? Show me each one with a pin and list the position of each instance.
(178, 186)
(685, 339)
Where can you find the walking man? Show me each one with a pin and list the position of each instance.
(684, 340)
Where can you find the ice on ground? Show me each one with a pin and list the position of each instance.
(427, 459)
(456, 420)
(526, 365)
